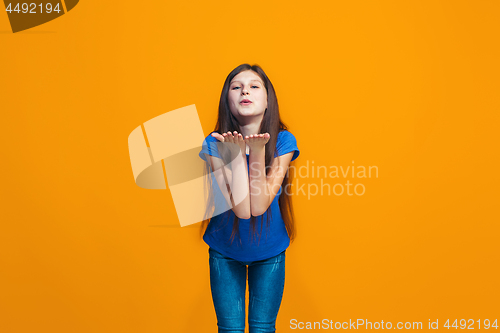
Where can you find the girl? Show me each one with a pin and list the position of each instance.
(249, 121)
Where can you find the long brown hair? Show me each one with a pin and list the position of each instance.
(272, 124)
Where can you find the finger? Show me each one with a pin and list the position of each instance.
(218, 136)
(230, 137)
(233, 139)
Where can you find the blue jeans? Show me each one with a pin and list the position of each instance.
(228, 281)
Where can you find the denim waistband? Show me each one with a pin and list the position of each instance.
(214, 253)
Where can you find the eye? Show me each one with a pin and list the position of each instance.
(255, 86)
(234, 88)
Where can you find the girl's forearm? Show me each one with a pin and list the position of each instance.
(259, 194)
(240, 187)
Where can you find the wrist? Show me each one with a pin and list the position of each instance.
(257, 149)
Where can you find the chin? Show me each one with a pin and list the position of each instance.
(250, 114)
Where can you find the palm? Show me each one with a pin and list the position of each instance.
(257, 141)
(234, 137)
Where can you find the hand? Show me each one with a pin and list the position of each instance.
(257, 141)
(234, 137)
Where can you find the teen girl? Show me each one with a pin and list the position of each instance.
(257, 191)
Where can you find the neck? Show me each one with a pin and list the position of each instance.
(250, 126)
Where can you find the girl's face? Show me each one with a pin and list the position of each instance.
(247, 95)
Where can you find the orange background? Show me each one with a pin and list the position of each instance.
(410, 88)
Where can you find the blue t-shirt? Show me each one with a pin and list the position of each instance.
(219, 230)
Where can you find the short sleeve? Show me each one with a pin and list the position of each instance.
(286, 143)
(209, 147)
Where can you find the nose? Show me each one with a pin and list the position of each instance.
(244, 91)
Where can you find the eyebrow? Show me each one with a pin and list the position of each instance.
(250, 81)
